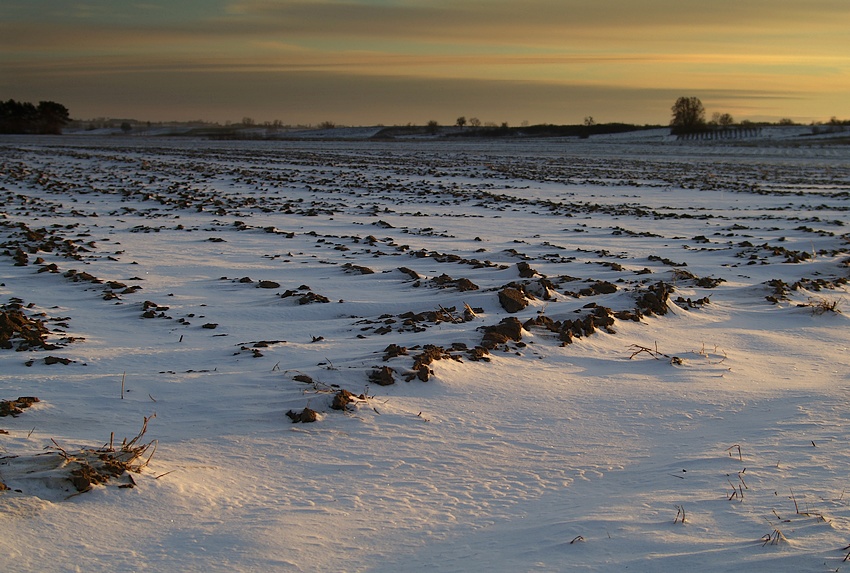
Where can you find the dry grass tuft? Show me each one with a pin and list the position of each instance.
(774, 538)
(821, 306)
(90, 467)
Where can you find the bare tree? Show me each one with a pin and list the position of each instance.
(461, 121)
(474, 122)
(722, 119)
(586, 127)
(688, 115)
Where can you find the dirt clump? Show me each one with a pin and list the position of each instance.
(654, 300)
(479, 354)
(305, 416)
(508, 329)
(512, 300)
(358, 269)
(462, 284)
(16, 407)
(599, 287)
(410, 272)
(543, 321)
(20, 257)
(307, 297)
(600, 317)
(342, 399)
(87, 475)
(430, 353)
(419, 321)
(525, 270)
(568, 330)
(383, 376)
(780, 291)
(394, 350)
(692, 304)
(27, 332)
(151, 309)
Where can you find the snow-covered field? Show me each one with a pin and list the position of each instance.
(604, 355)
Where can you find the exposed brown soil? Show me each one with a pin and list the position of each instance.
(19, 331)
(512, 299)
(16, 407)
(383, 376)
(305, 416)
(343, 398)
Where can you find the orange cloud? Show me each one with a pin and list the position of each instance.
(781, 46)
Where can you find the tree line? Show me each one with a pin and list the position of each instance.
(688, 117)
(47, 117)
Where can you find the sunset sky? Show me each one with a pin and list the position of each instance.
(367, 62)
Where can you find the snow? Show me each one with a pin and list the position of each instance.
(730, 411)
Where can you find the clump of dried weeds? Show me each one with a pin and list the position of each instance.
(89, 467)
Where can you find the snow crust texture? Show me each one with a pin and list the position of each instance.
(424, 356)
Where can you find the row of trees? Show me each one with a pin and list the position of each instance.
(476, 123)
(23, 117)
(689, 117)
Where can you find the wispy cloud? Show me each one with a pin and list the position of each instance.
(547, 23)
(783, 46)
